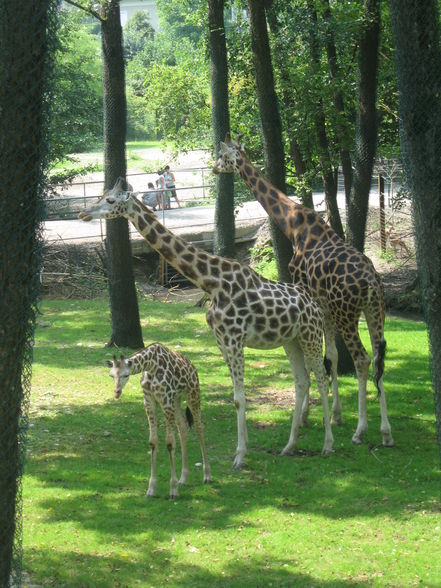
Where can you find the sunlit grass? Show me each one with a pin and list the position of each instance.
(366, 516)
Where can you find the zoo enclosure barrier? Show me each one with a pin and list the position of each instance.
(190, 222)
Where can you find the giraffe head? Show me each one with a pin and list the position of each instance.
(112, 204)
(230, 154)
(120, 370)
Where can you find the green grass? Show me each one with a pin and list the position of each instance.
(366, 516)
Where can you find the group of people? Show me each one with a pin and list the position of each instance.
(160, 197)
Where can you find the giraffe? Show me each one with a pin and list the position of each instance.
(341, 279)
(246, 310)
(166, 376)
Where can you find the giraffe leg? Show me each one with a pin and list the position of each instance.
(332, 356)
(322, 382)
(150, 409)
(376, 330)
(305, 409)
(183, 435)
(235, 362)
(361, 362)
(171, 446)
(195, 407)
(301, 380)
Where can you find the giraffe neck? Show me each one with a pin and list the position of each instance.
(289, 215)
(141, 361)
(201, 268)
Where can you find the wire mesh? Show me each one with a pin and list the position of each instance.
(25, 46)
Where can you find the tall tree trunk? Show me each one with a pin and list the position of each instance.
(342, 131)
(23, 53)
(300, 166)
(329, 173)
(126, 327)
(224, 242)
(280, 59)
(416, 32)
(274, 155)
(366, 126)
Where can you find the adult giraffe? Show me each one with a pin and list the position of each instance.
(245, 311)
(341, 279)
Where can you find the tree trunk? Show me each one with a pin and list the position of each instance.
(224, 237)
(281, 57)
(274, 156)
(23, 52)
(300, 166)
(366, 126)
(416, 32)
(342, 131)
(126, 327)
(329, 173)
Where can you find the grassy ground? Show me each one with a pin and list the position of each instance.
(366, 516)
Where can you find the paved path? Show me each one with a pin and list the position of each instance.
(194, 223)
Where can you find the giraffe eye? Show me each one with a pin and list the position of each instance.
(111, 200)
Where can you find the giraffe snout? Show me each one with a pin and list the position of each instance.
(117, 394)
(216, 170)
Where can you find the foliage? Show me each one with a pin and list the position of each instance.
(178, 95)
(264, 262)
(137, 32)
(365, 516)
(76, 114)
(168, 85)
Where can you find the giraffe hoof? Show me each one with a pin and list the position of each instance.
(327, 452)
(336, 420)
(388, 441)
(357, 440)
(150, 495)
(288, 451)
(174, 496)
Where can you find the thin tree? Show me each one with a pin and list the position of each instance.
(328, 169)
(24, 38)
(416, 32)
(274, 156)
(366, 125)
(224, 242)
(125, 322)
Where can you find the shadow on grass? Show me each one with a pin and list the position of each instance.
(151, 568)
(96, 458)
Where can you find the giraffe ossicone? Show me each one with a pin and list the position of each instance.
(341, 279)
(167, 376)
(246, 310)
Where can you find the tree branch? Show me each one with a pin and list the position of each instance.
(89, 10)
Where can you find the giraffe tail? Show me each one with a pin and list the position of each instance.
(189, 416)
(379, 364)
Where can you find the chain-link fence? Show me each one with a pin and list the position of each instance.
(416, 28)
(26, 34)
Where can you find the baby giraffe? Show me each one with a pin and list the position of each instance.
(166, 376)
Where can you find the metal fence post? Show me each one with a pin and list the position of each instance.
(382, 213)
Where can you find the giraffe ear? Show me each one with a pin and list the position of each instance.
(223, 147)
(227, 138)
(108, 363)
(129, 362)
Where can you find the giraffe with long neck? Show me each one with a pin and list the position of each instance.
(245, 311)
(166, 377)
(341, 279)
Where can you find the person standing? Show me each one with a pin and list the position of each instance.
(169, 177)
(162, 191)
